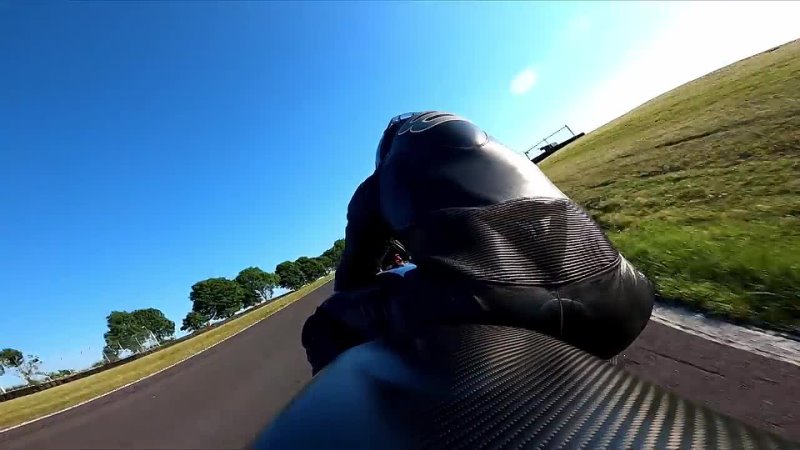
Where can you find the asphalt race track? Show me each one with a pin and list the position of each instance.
(225, 396)
(760, 391)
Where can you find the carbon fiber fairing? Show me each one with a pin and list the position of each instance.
(478, 387)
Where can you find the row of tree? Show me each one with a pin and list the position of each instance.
(212, 299)
(27, 367)
(303, 270)
(221, 298)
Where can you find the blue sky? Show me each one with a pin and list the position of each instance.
(147, 145)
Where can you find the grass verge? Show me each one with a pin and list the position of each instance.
(700, 188)
(23, 409)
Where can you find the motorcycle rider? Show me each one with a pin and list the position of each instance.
(494, 242)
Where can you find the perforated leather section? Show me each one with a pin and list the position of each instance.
(531, 241)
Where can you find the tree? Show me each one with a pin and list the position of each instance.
(325, 262)
(258, 285)
(334, 254)
(111, 352)
(194, 321)
(311, 268)
(217, 298)
(122, 333)
(10, 357)
(27, 367)
(59, 373)
(154, 321)
(132, 330)
(290, 276)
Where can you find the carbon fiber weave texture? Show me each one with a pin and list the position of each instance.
(512, 388)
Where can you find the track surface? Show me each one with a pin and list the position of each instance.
(225, 396)
(760, 391)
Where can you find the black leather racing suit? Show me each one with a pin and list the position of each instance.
(494, 241)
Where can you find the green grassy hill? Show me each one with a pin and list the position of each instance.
(700, 188)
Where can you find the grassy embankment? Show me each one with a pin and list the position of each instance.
(700, 188)
(42, 403)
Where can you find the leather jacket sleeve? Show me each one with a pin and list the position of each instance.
(366, 239)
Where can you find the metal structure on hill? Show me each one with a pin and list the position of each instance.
(552, 143)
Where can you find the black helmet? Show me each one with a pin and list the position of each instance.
(430, 161)
(388, 136)
(413, 122)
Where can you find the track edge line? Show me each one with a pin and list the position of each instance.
(728, 343)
